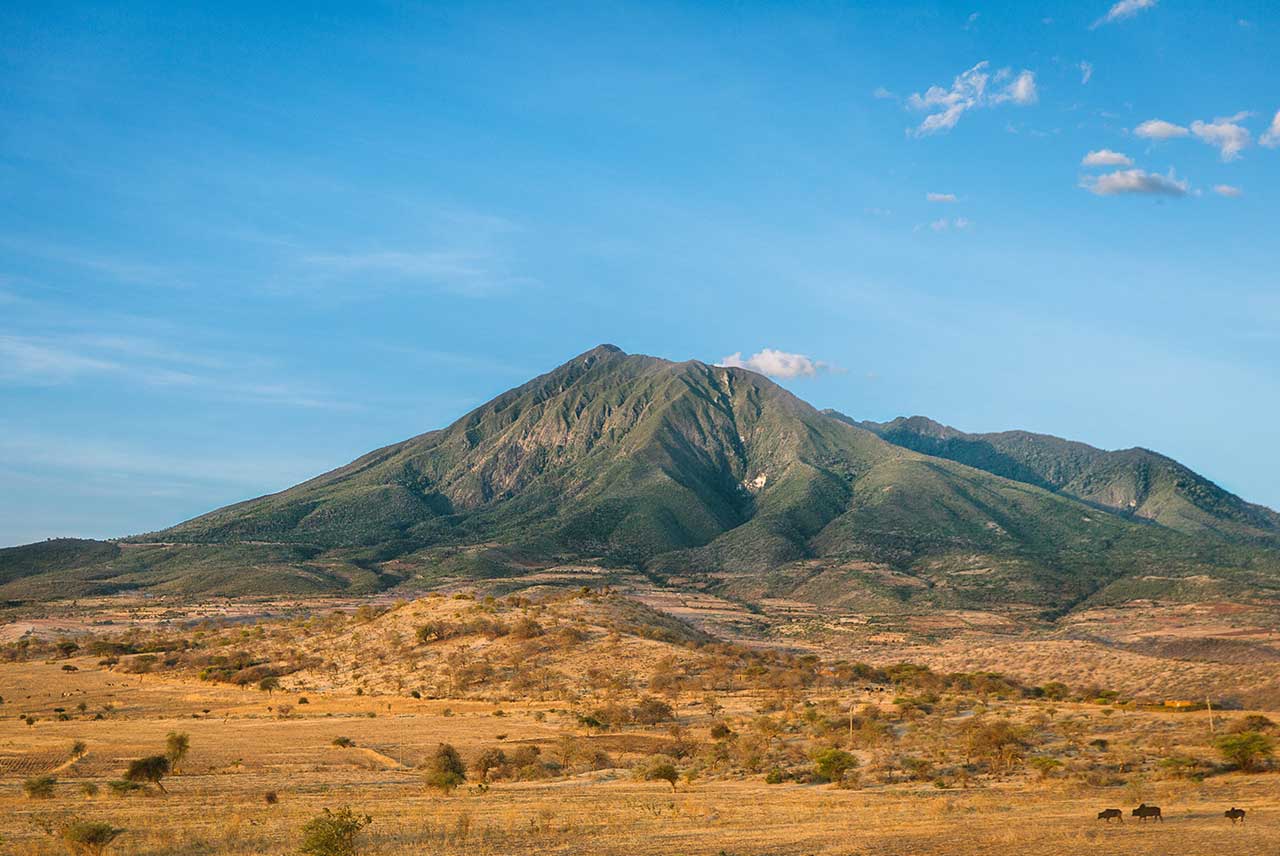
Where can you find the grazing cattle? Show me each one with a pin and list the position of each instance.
(1145, 811)
(1108, 813)
(1234, 814)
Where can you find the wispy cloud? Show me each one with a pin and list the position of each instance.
(1227, 190)
(940, 197)
(775, 363)
(1123, 9)
(1224, 134)
(125, 270)
(1106, 157)
(1135, 181)
(1086, 72)
(971, 89)
(1159, 129)
(471, 274)
(1271, 137)
(946, 224)
(39, 361)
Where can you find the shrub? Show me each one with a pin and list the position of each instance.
(89, 837)
(271, 798)
(662, 771)
(79, 748)
(176, 747)
(89, 789)
(651, 711)
(1246, 749)
(123, 787)
(1044, 765)
(445, 770)
(721, 731)
(830, 765)
(333, 833)
(343, 742)
(489, 759)
(39, 787)
(151, 769)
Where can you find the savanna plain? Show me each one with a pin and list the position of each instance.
(579, 719)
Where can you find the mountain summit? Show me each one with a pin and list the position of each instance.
(717, 476)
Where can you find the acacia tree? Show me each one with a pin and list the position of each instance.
(149, 770)
(1246, 750)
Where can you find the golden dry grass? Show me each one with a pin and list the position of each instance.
(241, 751)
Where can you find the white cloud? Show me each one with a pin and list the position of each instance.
(775, 363)
(1159, 129)
(1106, 157)
(1022, 91)
(972, 21)
(1135, 181)
(945, 224)
(1123, 9)
(1271, 137)
(940, 197)
(1086, 72)
(1224, 134)
(1227, 190)
(969, 90)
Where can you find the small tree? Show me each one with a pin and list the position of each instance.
(39, 787)
(333, 833)
(662, 771)
(269, 684)
(79, 749)
(830, 765)
(445, 770)
(149, 770)
(1246, 750)
(89, 837)
(176, 747)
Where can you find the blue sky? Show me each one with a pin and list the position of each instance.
(244, 243)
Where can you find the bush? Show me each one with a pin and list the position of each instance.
(176, 747)
(662, 771)
(445, 770)
(39, 787)
(830, 765)
(89, 837)
(343, 742)
(1246, 749)
(651, 711)
(333, 833)
(123, 787)
(151, 769)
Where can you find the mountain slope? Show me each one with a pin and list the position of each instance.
(700, 472)
(1135, 482)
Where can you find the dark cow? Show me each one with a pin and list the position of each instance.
(1234, 814)
(1145, 811)
(1108, 813)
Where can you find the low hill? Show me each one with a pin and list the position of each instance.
(687, 470)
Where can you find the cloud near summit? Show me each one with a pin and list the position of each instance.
(775, 363)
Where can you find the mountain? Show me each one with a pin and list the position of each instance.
(1135, 482)
(713, 476)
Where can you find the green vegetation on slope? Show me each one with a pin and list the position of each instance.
(690, 469)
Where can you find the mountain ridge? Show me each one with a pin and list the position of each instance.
(1137, 481)
(705, 473)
